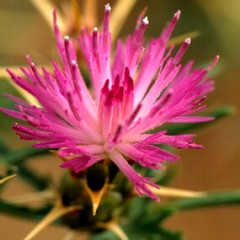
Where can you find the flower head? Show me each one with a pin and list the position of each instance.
(143, 88)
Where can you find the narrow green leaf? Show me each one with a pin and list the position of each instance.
(16, 158)
(3, 147)
(170, 235)
(23, 211)
(32, 178)
(138, 208)
(106, 235)
(217, 113)
(179, 128)
(167, 176)
(210, 200)
(19, 156)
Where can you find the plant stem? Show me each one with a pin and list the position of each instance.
(23, 211)
(27, 174)
(210, 200)
(3, 147)
(19, 156)
(183, 128)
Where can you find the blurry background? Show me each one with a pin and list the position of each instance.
(24, 31)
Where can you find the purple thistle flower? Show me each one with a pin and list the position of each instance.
(141, 89)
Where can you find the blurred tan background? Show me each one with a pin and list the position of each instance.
(217, 167)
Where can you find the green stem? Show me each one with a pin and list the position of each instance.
(23, 211)
(210, 200)
(19, 156)
(170, 235)
(3, 147)
(214, 199)
(183, 128)
(179, 128)
(27, 174)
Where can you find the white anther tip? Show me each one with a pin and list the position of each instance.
(145, 20)
(73, 62)
(66, 37)
(188, 40)
(95, 29)
(177, 14)
(108, 7)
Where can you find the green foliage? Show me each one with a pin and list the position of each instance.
(168, 174)
(144, 219)
(180, 128)
(33, 178)
(140, 218)
(106, 235)
(15, 160)
(23, 211)
(9, 172)
(209, 200)
(143, 224)
(3, 147)
(19, 156)
(139, 224)
(218, 114)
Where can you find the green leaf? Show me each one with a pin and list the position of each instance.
(210, 200)
(167, 176)
(19, 156)
(179, 128)
(3, 147)
(32, 178)
(23, 211)
(152, 232)
(142, 223)
(106, 235)
(170, 235)
(141, 234)
(145, 217)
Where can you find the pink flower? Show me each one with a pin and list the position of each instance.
(141, 89)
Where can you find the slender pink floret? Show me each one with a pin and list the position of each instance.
(141, 88)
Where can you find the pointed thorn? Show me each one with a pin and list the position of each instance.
(96, 196)
(113, 226)
(7, 178)
(58, 211)
(94, 208)
(180, 193)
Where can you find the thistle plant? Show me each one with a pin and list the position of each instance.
(136, 106)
